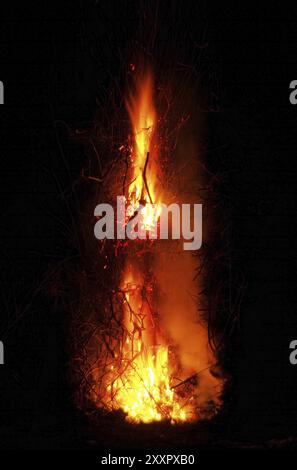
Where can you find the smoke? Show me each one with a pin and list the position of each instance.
(180, 319)
(177, 275)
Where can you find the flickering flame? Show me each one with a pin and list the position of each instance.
(140, 377)
(144, 391)
(143, 116)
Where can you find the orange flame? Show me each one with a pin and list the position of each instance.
(140, 383)
(142, 388)
(143, 116)
(139, 380)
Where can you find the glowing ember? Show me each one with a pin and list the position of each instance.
(142, 189)
(142, 386)
(143, 391)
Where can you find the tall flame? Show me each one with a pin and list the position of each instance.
(142, 388)
(143, 117)
(141, 384)
(140, 378)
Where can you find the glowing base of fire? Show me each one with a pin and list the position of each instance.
(142, 390)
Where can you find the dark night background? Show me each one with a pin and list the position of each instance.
(56, 59)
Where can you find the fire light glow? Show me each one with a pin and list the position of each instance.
(139, 379)
(142, 388)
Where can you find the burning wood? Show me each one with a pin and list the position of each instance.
(138, 377)
(142, 358)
